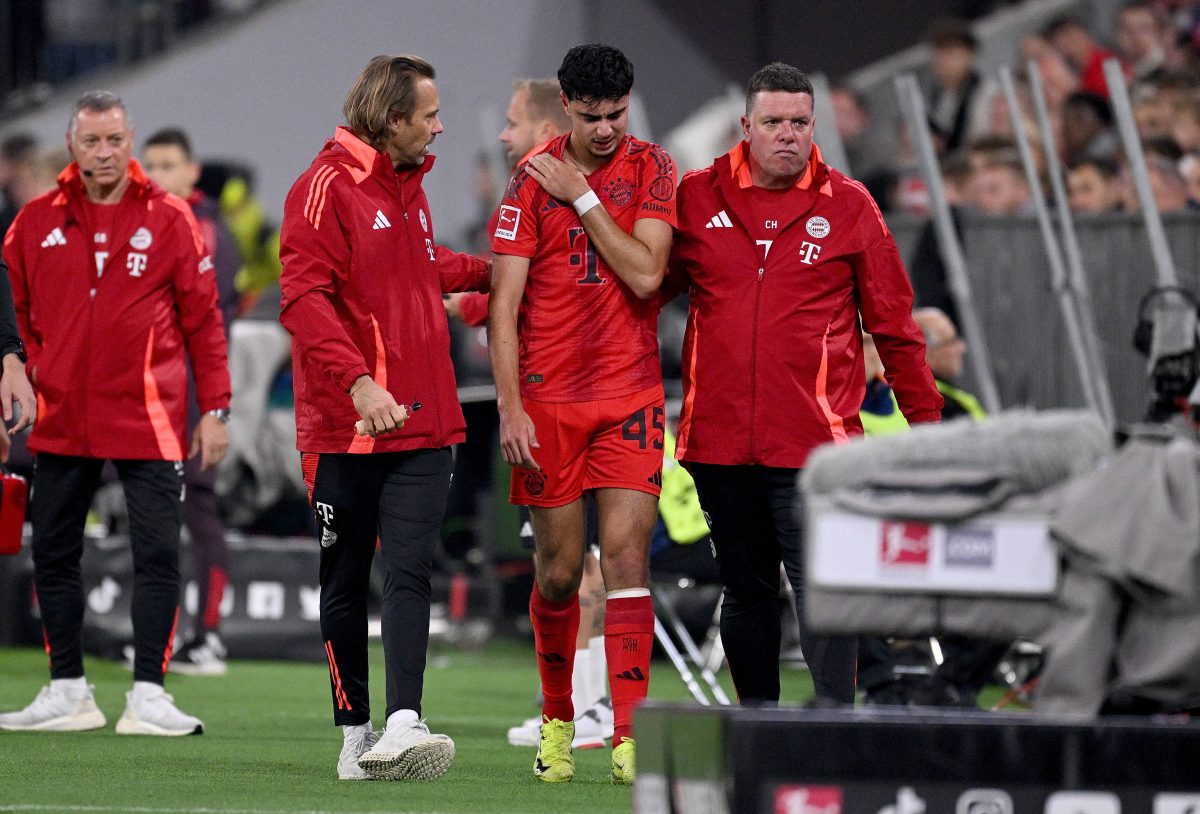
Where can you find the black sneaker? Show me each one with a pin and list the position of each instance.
(202, 655)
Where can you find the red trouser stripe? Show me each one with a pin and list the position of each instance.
(170, 642)
(338, 692)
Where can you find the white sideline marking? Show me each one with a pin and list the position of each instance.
(152, 810)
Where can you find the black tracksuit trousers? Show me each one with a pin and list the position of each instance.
(397, 499)
(62, 494)
(754, 528)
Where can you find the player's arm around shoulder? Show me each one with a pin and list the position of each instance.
(517, 436)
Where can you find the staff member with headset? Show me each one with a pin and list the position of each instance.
(114, 294)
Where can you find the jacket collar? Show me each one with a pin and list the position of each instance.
(367, 160)
(738, 162)
(70, 182)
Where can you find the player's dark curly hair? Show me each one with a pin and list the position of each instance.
(595, 72)
(778, 76)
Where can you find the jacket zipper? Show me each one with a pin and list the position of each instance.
(408, 240)
(87, 440)
(754, 358)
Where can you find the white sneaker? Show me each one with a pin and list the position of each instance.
(408, 751)
(595, 725)
(56, 710)
(527, 733)
(353, 748)
(155, 713)
(202, 655)
(592, 727)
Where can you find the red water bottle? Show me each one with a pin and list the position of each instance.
(14, 491)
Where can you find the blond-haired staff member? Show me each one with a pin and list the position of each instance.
(362, 297)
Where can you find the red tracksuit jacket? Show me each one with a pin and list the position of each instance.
(362, 294)
(108, 351)
(772, 355)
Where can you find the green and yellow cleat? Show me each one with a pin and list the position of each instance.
(554, 762)
(624, 763)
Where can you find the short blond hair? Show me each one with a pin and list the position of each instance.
(386, 86)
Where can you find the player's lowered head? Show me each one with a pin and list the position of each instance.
(596, 80)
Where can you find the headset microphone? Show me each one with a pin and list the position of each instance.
(88, 173)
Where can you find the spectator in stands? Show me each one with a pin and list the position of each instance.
(1185, 123)
(117, 390)
(1094, 185)
(927, 269)
(750, 419)
(1076, 43)
(1087, 130)
(1140, 38)
(960, 98)
(167, 157)
(1167, 185)
(13, 151)
(362, 285)
(1058, 79)
(1151, 110)
(999, 187)
(868, 148)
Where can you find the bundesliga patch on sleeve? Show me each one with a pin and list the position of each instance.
(506, 224)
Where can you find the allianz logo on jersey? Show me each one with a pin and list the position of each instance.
(55, 238)
(381, 221)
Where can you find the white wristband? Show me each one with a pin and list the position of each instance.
(585, 202)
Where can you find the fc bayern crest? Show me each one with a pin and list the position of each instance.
(817, 226)
(141, 239)
(535, 484)
(620, 191)
(424, 222)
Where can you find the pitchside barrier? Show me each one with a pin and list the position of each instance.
(270, 609)
(717, 760)
(1010, 281)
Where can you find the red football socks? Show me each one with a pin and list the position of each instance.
(628, 639)
(555, 625)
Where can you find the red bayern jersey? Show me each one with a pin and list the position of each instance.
(584, 335)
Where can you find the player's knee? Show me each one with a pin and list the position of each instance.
(558, 583)
(626, 569)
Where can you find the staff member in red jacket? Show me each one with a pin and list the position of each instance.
(362, 297)
(114, 295)
(782, 256)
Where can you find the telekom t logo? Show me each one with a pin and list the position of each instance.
(809, 252)
(136, 263)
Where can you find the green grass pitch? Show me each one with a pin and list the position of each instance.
(270, 746)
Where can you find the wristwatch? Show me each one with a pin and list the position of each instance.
(220, 414)
(18, 349)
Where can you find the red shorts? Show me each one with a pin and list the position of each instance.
(610, 443)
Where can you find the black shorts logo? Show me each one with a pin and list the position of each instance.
(535, 484)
